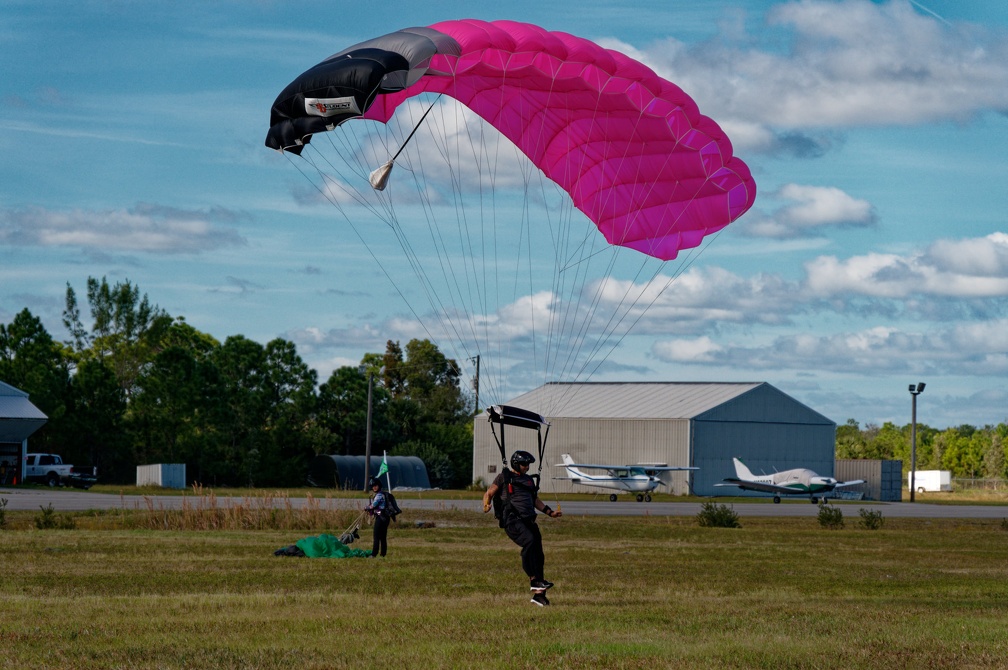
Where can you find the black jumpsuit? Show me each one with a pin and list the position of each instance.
(520, 520)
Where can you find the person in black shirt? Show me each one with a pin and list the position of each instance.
(520, 496)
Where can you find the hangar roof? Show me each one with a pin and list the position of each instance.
(631, 400)
(18, 417)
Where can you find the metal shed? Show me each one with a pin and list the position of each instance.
(700, 424)
(883, 479)
(347, 472)
(18, 419)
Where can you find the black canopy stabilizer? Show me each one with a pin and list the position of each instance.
(507, 415)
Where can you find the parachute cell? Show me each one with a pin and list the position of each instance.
(631, 149)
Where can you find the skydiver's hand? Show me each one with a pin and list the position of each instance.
(556, 513)
(486, 507)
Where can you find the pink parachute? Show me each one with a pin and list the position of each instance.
(632, 149)
(511, 273)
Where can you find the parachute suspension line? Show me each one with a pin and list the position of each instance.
(441, 312)
(360, 238)
(449, 274)
(674, 276)
(416, 127)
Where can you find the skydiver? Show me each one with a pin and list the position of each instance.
(520, 498)
(378, 508)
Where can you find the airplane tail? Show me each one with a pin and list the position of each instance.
(572, 471)
(741, 470)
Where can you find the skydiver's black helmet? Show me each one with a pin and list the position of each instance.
(373, 482)
(521, 458)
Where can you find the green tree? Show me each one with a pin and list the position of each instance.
(239, 415)
(850, 441)
(290, 425)
(33, 362)
(96, 432)
(127, 329)
(994, 455)
(342, 411)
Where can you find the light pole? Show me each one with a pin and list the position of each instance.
(914, 392)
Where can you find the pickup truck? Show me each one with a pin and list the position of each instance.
(50, 469)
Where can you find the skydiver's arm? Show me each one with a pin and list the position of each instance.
(546, 509)
(487, 496)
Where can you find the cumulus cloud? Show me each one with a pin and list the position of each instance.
(969, 268)
(846, 64)
(970, 349)
(698, 350)
(810, 209)
(144, 228)
(695, 300)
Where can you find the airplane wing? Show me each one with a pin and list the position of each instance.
(757, 486)
(853, 482)
(635, 466)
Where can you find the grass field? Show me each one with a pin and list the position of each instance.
(630, 593)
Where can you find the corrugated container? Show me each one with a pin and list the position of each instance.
(165, 475)
(883, 479)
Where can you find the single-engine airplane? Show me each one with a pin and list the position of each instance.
(800, 481)
(640, 478)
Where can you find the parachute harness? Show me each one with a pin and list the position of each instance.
(351, 533)
(522, 418)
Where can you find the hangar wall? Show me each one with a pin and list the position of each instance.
(692, 424)
(767, 429)
(608, 441)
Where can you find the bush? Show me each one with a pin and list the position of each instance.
(717, 516)
(49, 519)
(870, 520)
(830, 517)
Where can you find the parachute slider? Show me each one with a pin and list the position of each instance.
(515, 416)
(380, 176)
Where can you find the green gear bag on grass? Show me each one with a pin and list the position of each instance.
(328, 546)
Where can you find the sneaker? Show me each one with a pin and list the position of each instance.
(540, 599)
(539, 585)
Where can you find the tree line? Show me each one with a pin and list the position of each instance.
(136, 385)
(968, 451)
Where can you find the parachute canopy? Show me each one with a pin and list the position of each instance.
(630, 148)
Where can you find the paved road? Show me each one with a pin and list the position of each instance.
(77, 500)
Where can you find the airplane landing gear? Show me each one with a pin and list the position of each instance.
(647, 497)
(612, 497)
(776, 500)
(640, 498)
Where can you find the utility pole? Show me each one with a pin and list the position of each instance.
(914, 392)
(476, 359)
(367, 440)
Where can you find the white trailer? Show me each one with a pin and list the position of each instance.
(930, 480)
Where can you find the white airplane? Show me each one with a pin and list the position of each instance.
(641, 478)
(800, 481)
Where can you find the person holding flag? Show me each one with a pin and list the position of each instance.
(380, 509)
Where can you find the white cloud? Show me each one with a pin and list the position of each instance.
(974, 349)
(698, 350)
(970, 268)
(847, 64)
(812, 208)
(145, 228)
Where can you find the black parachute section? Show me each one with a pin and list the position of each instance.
(344, 85)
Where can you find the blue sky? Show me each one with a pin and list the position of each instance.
(876, 255)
